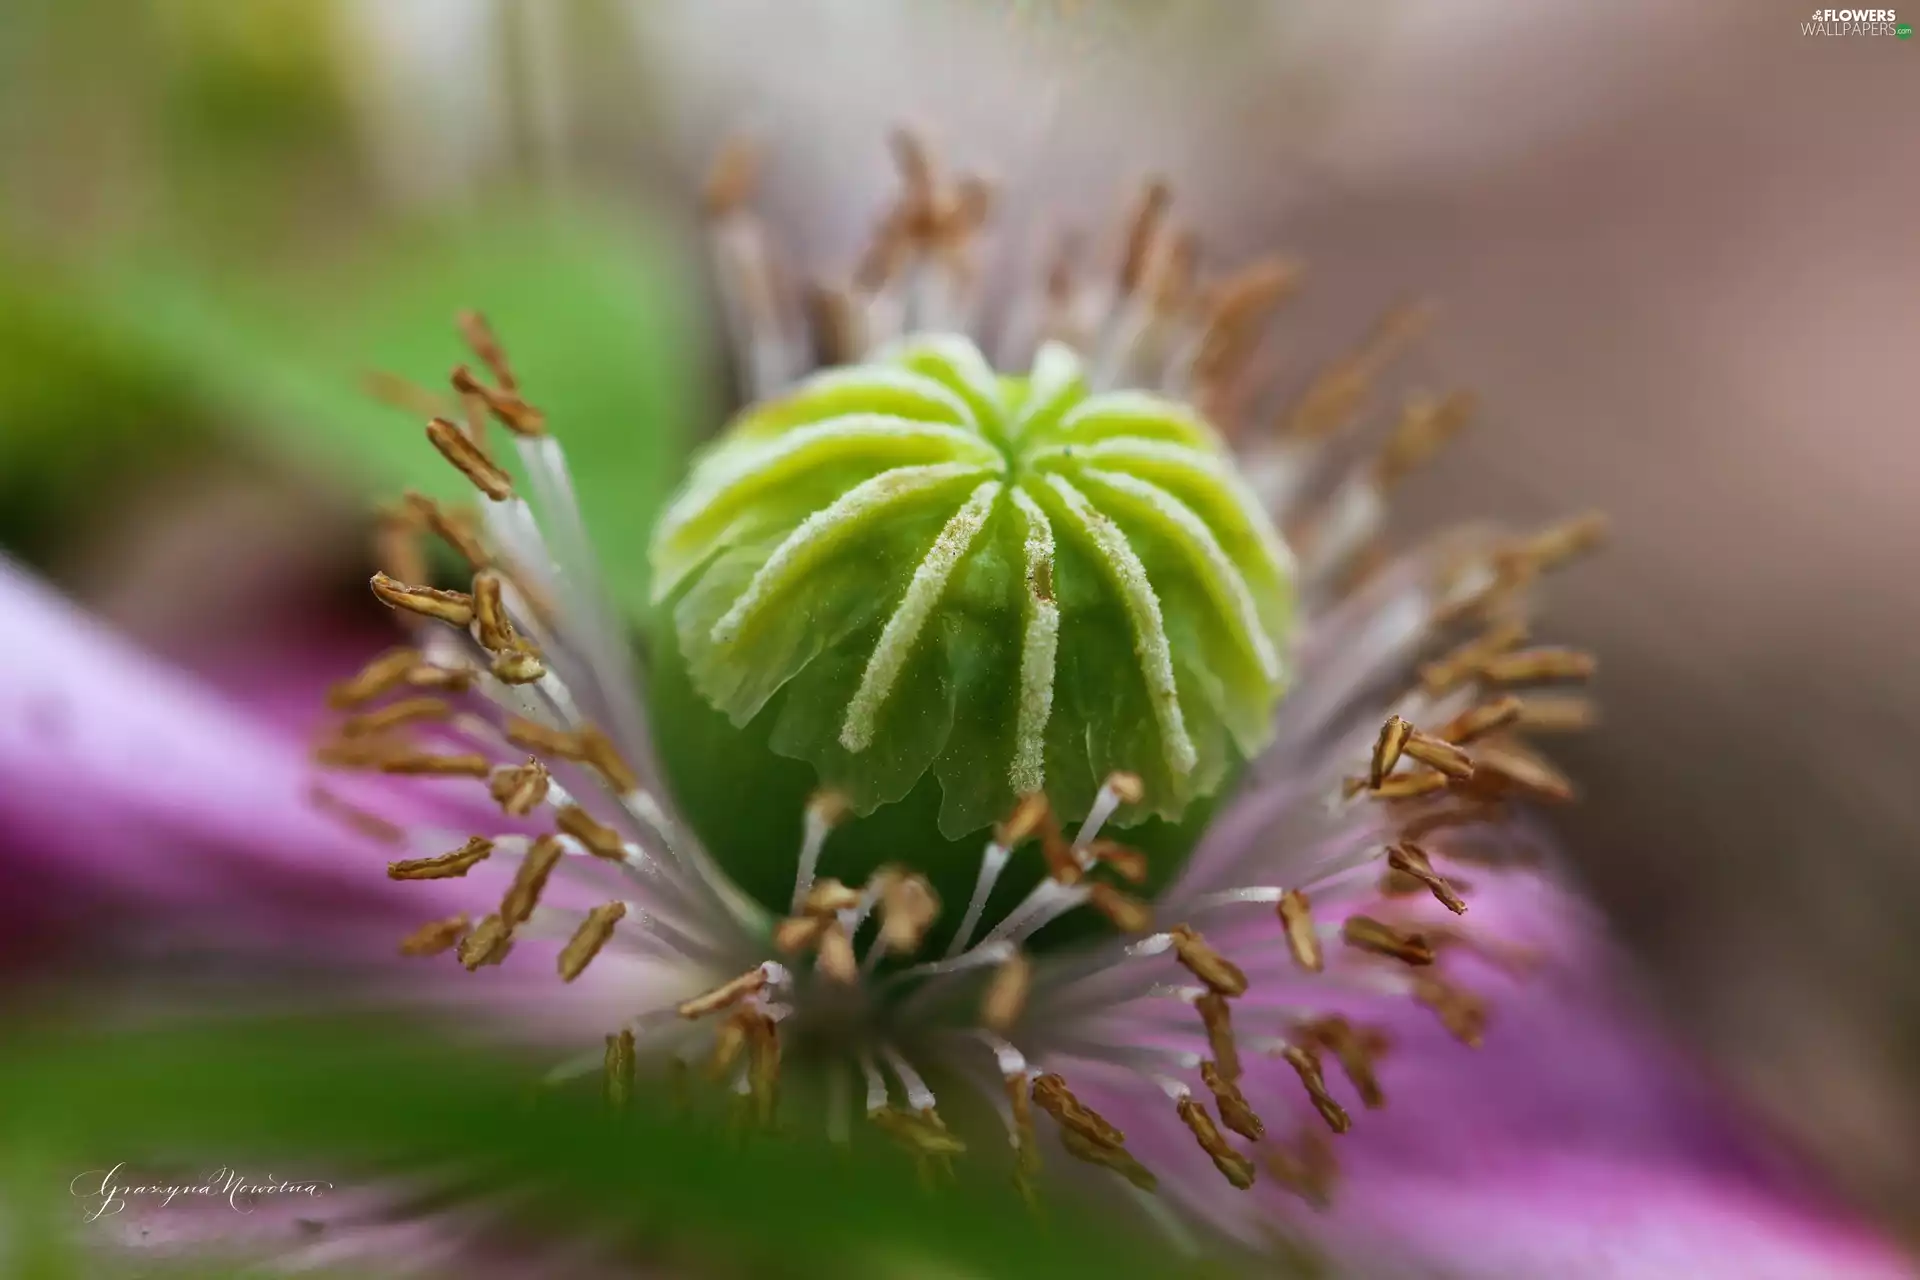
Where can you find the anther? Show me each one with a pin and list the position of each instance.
(393, 715)
(799, 933)
(1235, 1112)
(1530, 665)
(1216, 1015)
(834, 952)
(519, 665)
(587, 940)
(1233, 1166)
(422, 764)
(519, 788)
(1127, 863)
(1006, 995)
(1437, 754)
(908, 907)
(1411, 860)
(384, 674)
(1306, 1064)
(1465, 662)
(1462, 1013)
(493, 628)
(1143, 230)
(466, 455)
(919, 1133)
(455, 528)
(1387, 749)
(1051, 1093)
(589, 746)
(1557, 544)
(443, 866)
(1206, 964)
(600, 839)
(434, 937)
(1555, 713)
(1507, 767)
(1479, 722)
(1408, 786)
(1336, 393)
(370, 825)
(1307, 1172)
(828, 897)
(1123, 911)
(726, 995)
(530, 880)
(1364, 933)
(1116, 1159)
(1355, 1049)
(397, 545)
(452, 607)
(1302, 940)
(619, 1069)
(1029, 817)
(488, 943)
(1425, 425)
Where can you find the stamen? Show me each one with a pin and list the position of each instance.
(1466, 661)
(1129, 864)
(1336, 393)
(1302, 940)
(1306, 1063)
(444, 866)
(619, 1069)
(1483, 720)
(466, 455)
(799, 933)
(825, 811)
(1443, 756)
(1116, 1159)
(380, 676)
(1118, 789)
(454, 529)
(992, 862)
(1235, 1112)
(1143, 229)
(396, 544)
(452, 607)
(1424, 426)
(829, 897)
(1364, 933)
(728, 993)
(529, 880)
(359, 820)
(1233, 1166)
(1355, 1050)
(1462, 1013)
(1216, 1015)
(1552, 713)
(1557, 544)
(1411, 860)
(491, 625)
(1006, 997)
(421, 764)
(1050, 1091)
(489, 943)
(519, 789)
(1509, 767)
(588, 746)
(435, 937)
(601, 840)
(908, 907)
(1530, 665)
(589, 938)
(392, 716)
(1126, 913)
(1307, 1172)
(1386, 750)
(835, 955)
(1206, 964)
(731, 178)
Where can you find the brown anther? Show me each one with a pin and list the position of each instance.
(726, 995)
(729, 1042)
(467, 457)
(1405, 786)
(357, 753)
(523, 895)
(1438, 754)
(1239, 303)
(1029, 817)
(730, 178)
(1116, 1159)
(1308, 1172)
(530, 735)
(1555, 713)
(1465, 662)
(1050, 1091)
(426, 675)
(452, 607)
(1302, 940)
(1206, 964)
(1387, 749)
(763, 1068)
(1557, 544)
(455, 527)
(479, 337)
(421, 764)
(828, 896)
(834, 955)
(1425, 425)
(1127, 788)
(1468, 813)
(1216, 1015)
(587, 940)
(1364, 933)
(1143, 230)
(401, 393)
(435, 937)
(492, 627)
(1233, 1166)
(1355, 1049)
(519, 788)
(518, 665)
(393, 715)
(384, 674)
(598, 752)
(397, 546)
(443, 866)
(1123, 911)
(1235, 1112)
(1127, 863)
(370, 825)
(908, 908)
(917, 1132)
(1530, 665)
(1411, 860)
(488, 943)
(799, 933)
(601, 840)
(1063, 865)
(1479, 722)
(1461, 1012)
(836, 324)
(504, 404)
(1508, 767)
(1306, 1063)
(1006, 996)
(1340, 388)
(619, 1069)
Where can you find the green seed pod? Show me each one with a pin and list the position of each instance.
(917, 564)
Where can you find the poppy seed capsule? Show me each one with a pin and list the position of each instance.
(1016, 584)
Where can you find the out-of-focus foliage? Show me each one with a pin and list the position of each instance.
(378, 1100)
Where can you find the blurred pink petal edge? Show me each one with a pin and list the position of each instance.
(1574, 1143)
